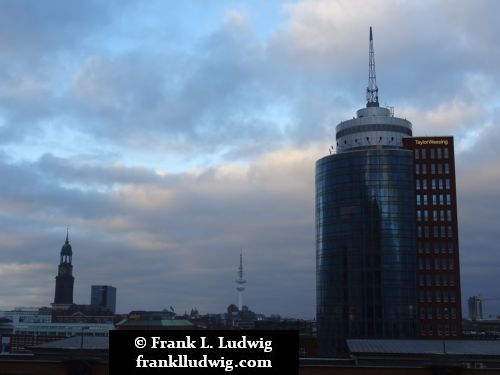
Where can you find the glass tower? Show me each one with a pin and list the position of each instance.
(365, 233)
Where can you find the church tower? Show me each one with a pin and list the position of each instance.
(64, 279)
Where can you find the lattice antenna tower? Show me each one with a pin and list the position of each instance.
(372, 89)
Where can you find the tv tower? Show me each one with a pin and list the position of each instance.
(240, 282)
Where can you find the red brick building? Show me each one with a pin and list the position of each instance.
(438, 267)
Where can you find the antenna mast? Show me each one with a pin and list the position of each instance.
(372, 89)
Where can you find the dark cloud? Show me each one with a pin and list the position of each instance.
(151, 231)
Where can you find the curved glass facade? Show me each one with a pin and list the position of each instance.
(365, 247)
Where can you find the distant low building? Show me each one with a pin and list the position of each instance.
(27, 335)
(151, 324)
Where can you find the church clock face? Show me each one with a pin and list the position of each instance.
(63, 271)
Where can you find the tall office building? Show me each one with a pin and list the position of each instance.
(103, 295)
(387, 233)
(439, 305)
(366, 233)
(63, 297)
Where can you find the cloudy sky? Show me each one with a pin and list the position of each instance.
(168, 135)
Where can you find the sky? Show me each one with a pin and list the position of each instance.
(169, 135)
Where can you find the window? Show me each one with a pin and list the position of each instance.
(419, 231)
(417, 153)
(446, 168)
(427, 264)
(419, 215)
(453, 313)
(425, 200)
(447, 182)
(438, 296)
(445, 281)
(437, 280)
(438, 313)
(436, 260)
(450, 231)
(444, 263)
(440, 181)
(448, 199)
(439, 153)
(441, 199)
(417, 184)
(424, 168)
(433, 168)
(452, 264)
(426, 215)
(450, 248)
(424, 184)
(441, 215)
(429, 312)
(426, 231)
(433, 182)
(418, 199)
(440, 168)
(452, 280)
(445, 296)
(427, 248)
(452, 296)
(421, 280)
(448, 215)
(443, 231)
(417, 168)
(422, 313)
(436, 234)
(434, 215)
(432, 153)
(424, 154)
(445, 151)
(428, 280)
(434, 199)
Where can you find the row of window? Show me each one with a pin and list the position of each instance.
(439, 264)
(442, 247)
(428, 296)
(436, 183)
(423, 199)
(438, 231)
(437, 215)
(438, 153)
(438, 313)
(434, 168)
(441, 330)
(439, 280)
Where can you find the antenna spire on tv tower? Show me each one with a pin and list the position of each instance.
(372, 89)
(240, 282)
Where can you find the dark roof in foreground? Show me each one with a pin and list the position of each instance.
(75, 342)
(450, 347)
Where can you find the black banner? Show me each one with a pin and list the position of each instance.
(203, 352)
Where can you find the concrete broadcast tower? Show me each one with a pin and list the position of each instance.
(240, 283)
(365, 229)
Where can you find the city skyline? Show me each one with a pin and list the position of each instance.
(168, 137)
